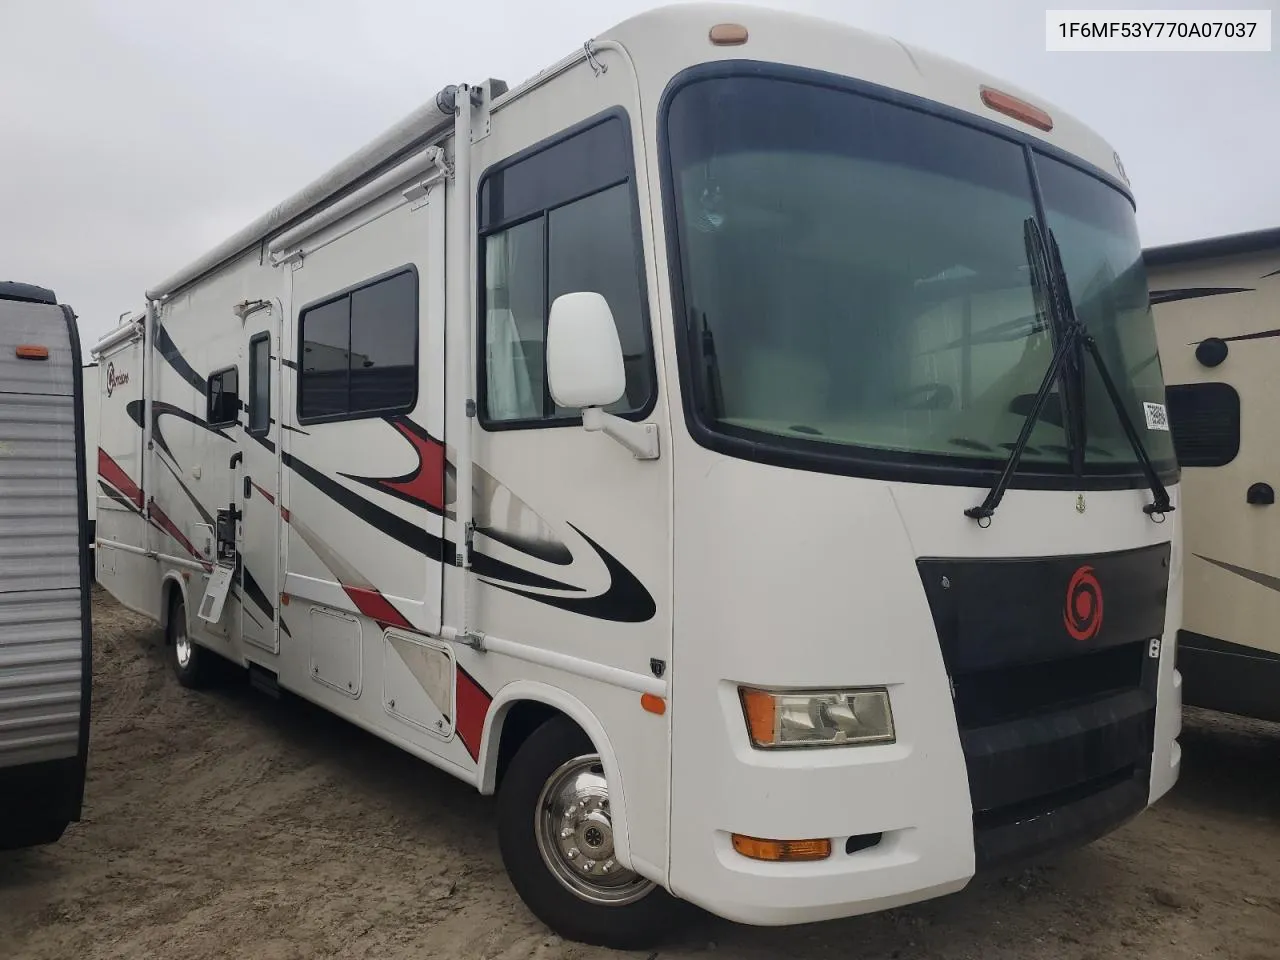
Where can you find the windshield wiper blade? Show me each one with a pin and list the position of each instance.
(1160, 501)
(1046, 307)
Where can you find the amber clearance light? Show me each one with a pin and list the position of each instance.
(1011, 106)
(31, 351)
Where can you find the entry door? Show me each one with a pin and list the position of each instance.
(259, 487)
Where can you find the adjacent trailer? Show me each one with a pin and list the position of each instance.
(1217, 309)
(738, 447)
(45, 636)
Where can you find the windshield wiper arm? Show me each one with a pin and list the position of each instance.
(1160, 501)
(987, 508)
(1046, 307)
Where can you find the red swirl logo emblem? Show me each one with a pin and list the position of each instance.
(1082, 615)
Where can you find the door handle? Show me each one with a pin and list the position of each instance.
(248, 486)
(1260, 494)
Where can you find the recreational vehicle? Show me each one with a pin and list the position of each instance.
(89, 376)
(1216, 304)
(739, 447)
(45, 663)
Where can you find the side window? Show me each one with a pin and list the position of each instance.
(223, 398)
(360, 351)
(560, 220)
(1204, 419)
(260, 384)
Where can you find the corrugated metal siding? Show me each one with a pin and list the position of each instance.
(39, 531)
(42, 325)
(40, 603)
(40, 666)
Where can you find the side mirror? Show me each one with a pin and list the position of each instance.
(584, 355)
(585, 370)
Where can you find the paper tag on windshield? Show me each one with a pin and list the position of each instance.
(1157, 419)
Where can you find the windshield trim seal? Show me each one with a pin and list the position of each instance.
(846, 459)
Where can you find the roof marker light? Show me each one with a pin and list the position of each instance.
(1011, 106)
(728, 35)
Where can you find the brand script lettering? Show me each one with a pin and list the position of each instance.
(115, 379)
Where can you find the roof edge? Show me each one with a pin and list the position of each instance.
(1226, 245)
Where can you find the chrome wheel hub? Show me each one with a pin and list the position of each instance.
(574, 830)
(182, 645)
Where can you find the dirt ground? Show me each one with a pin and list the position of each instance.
(225, 824)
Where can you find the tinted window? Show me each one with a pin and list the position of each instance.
(1205, 421)
(359, 351)
(583, 235)
(325, 333)
(384, 331)
(224, 398)
(260, 384)
(855, 274)
(592, 248)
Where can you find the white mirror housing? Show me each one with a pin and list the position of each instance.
(584, 355)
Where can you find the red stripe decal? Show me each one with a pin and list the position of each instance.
(161, 520)
(426, 484)
(376, 607)
(284, 513)
(423, 485)
(471, 704)
(111, 471)
(269, 497)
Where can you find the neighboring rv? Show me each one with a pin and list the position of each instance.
(92, 406)
(45, 639)
(1217, 310)
(686, 445)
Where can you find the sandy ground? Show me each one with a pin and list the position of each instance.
(225, 824)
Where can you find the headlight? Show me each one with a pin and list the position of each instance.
(822, 718)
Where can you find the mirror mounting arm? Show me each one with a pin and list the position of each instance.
(640, 438)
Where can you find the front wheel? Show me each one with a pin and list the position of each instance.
(192, 664)
(556, 835)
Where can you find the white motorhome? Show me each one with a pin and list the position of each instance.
(46, 663)
(690, 445)
(1216, 303)
(92, 406)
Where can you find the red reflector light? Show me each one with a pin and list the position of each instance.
(653, 703)
(1011, 106)
(31, 351)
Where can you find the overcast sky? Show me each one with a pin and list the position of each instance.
(136, 134)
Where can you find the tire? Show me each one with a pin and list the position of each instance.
(193, 665)
(609, 909)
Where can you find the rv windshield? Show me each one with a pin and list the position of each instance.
(855, 281)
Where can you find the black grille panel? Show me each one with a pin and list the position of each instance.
(1057, 722)
(1027, 689)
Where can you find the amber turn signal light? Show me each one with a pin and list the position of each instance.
(781, 851)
